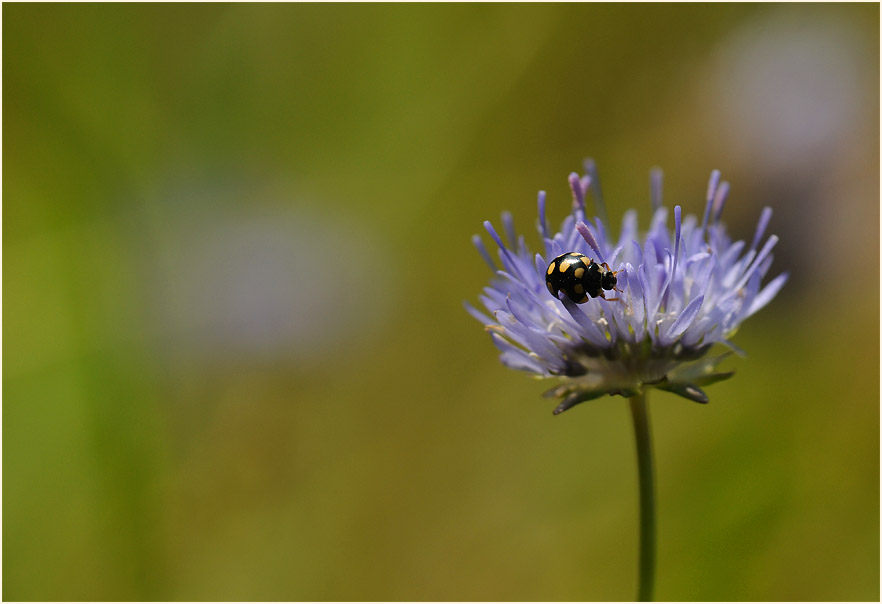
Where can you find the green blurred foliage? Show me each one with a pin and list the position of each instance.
(162, 440)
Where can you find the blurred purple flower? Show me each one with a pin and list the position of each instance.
(682, 291)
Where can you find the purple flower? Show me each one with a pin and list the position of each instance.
(681, 292)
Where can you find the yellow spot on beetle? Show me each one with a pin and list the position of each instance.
(550, 269)
(550, 288)
(579, 272)
(578, 288)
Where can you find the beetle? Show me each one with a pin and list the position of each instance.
(579, 277)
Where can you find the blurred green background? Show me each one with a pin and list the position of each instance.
(235, 247)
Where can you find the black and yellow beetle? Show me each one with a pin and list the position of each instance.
(579, 277)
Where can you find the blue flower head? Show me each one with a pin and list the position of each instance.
(679, 293)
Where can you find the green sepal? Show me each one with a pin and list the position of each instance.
(578, 397)
(712, 378)
(690, 391)
(685, 381)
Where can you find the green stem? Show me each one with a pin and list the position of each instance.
(647, 497)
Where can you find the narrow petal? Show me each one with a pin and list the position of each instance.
(521, 361)
(576, 189)
(614, 257)
(720, 200)
(476, 241)
(648, 302)
(767, 249)
(521, 313)
(746, 295)
(765, 217)
(490, 304)
(484, 319)
(585, 183)
(676, 240)
(530, 338)
(514, 357)
(541, 266)
(543, 224)
(597, 194)
(711, 193)
(768, 293)
(635, 304)
(600, 234)
(508, 225)
(687, 316)
(590, 331)
(511, 260)
(727, 258)
(637, 260)
(655, 188)
(657, 226)
(629, 228)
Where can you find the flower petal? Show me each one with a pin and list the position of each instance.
(484, 319)
(768, 292)
(589, 330)
(476, 241)
(687, 316)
